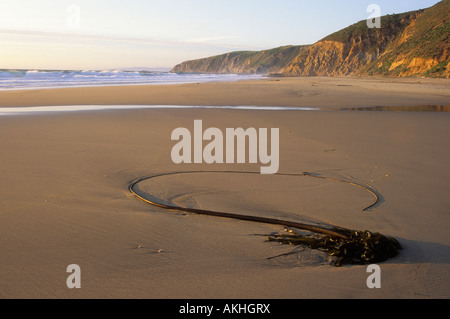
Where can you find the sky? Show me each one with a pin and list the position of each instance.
(113, 34)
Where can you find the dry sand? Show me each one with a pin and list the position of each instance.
(64, 198)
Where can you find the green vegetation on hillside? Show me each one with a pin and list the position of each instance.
(360, 28)
(427, 38)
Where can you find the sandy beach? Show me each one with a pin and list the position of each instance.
(64, 195)
(304, 92)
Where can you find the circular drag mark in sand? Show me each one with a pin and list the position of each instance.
(278, 196)
(219, 193)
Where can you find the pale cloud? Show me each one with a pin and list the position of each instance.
(66, 50)
(25, 35)
(231, 42)
(83, 37)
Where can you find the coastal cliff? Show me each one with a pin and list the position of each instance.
(421, 49)
(244, 62)
(409, 44)
(349, 50)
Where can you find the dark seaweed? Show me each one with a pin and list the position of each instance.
(361, 247)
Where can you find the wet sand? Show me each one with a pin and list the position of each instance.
(64, 197)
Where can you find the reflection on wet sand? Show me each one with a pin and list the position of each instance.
(418, 108)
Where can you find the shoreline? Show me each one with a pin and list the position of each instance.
(101, 85)
(300, 92)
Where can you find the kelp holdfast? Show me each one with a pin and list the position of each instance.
(353, 248)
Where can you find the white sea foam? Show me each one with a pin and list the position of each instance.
(30, 79)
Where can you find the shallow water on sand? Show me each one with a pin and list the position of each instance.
(78, 108)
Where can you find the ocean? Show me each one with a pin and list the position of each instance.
(32, 79)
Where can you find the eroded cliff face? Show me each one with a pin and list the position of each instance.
(422, 48)
(408, 44)
(348, 51)
(330, 58)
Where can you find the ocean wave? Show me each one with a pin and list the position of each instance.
(13, 79)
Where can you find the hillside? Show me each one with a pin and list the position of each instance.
(409, 44)
(243, 62)
(421, 49)
(349, 50)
